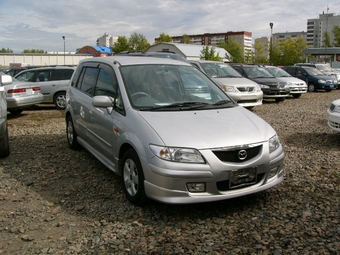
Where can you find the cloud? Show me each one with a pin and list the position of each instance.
(41, 24)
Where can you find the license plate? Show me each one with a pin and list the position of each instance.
(242, 177)
(332, 85)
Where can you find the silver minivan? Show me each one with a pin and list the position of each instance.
(169, 131)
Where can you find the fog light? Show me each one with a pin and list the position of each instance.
(196, 187)
(273, 172)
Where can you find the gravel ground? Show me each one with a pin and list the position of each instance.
(57, 201)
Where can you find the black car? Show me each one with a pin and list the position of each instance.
(272, 87)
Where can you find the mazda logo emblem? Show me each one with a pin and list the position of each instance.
(242, 154)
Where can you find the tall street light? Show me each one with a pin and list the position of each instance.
(64, 47)
(271, 42)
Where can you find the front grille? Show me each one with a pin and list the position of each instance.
(246, 89)
(232, 155)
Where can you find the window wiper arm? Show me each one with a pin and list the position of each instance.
(181, 105)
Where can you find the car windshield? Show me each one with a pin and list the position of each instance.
(278, 72)
(324, 68)
(257, 72)
(219, 70)
(171, 87)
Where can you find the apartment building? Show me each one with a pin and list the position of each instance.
(106, 40)
(277, 37)
(243, 38)
(316, 29)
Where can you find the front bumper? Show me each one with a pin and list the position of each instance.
(170, 186)
(247, 99)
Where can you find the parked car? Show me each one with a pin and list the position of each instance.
(315, 79)
(297, 86)
(243, 91)
(53, 82)
(325, 68)
(333, 115)
(171, 133)
(21, 95)
(4, 139)
(14, 71)
(272, 87)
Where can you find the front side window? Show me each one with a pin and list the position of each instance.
(106, 84)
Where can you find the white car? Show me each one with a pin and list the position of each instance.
(243, 91)
(333, 117)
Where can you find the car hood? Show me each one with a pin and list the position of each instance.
(240, 81)
(209, 128)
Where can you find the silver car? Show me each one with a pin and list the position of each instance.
(171, 133)
(53, 81)
(333, 115)
(4, 139)
(21, 95)
(296, 85)
(245, 92)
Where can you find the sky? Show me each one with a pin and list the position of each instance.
(41, 24)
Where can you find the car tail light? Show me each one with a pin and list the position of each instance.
(12, 91)
(36, 89)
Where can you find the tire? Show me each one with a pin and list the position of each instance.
(296, 95)
(71, 134)
(133, 178)
(280, 99)
(311, 87)
(60, 100)
(328, 90)
(15, 112)
(4, 145)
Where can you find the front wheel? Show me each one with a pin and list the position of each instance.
(279, 99)
(16, 112)
(60, 100)
(311, 87)
(71, 134)
(133, 178)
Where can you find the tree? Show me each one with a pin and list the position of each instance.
(186, 39)
(336, 33)
(164, 38)
(326, 40)
(209, 53)
(122, 44)
(235, 50)
(33, 51)
(259, 57)
(138, 42)
(289, 52)
(3, 50)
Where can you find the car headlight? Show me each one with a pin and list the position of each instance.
(321, 81)
(336, 109)
(182, 155)
(264, 86)
(258, 88)
(227, 88)
(274, 143)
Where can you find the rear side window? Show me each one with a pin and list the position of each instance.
(26, 76)
(65, 74)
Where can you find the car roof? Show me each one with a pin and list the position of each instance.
(134, 60)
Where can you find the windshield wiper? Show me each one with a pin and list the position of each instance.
(223, 102)
(181, 106)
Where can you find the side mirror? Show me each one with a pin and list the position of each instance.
(6, 79)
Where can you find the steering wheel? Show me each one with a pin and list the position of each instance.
(136, 95)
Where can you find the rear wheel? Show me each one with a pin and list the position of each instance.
(4, 145)
(71, 134)
(311, 87)
(133, 178)
(60, 100)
